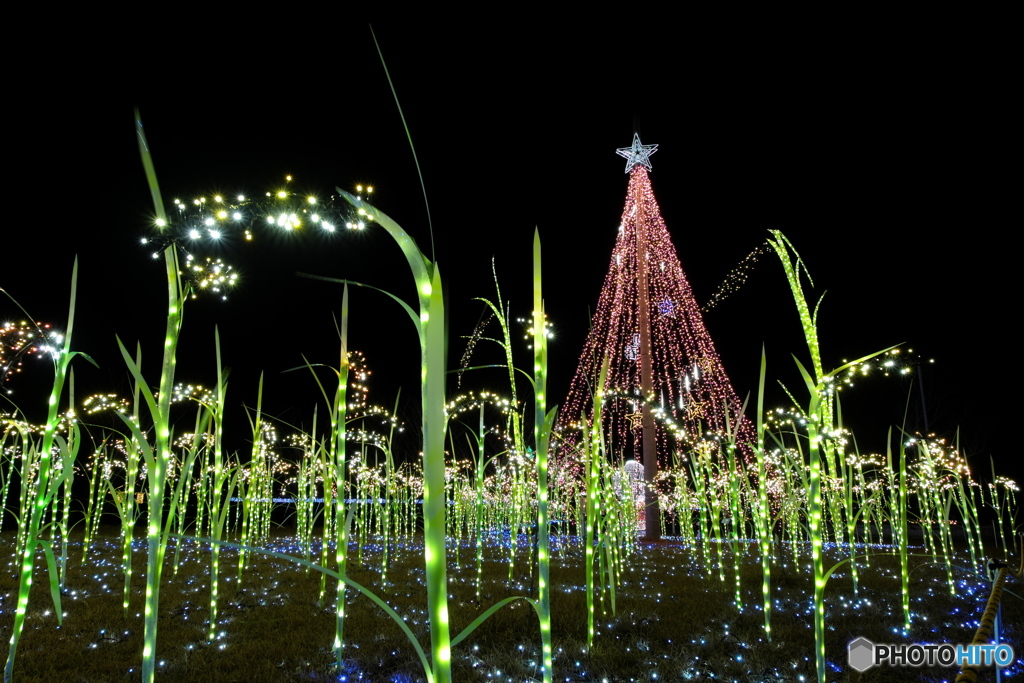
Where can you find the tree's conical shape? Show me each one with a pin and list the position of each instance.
(690, 390)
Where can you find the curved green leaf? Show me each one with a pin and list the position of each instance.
(486, 615)
(408, 309)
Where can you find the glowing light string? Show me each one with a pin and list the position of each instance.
(208, 223)
(736, 278)
(24, 338)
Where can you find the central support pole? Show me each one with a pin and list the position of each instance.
(652, 527)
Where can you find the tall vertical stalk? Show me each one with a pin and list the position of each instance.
(594, 458)
(157, 465)
(338, 413)
(430, 324)
(157, 460)
(45, 490)
(542, 424)
(222, 479)
(819, 421)
(763, 516)
(901, 523)
(251, 486)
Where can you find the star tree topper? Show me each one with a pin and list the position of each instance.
(637, 154)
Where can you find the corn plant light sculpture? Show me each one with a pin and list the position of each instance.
(666, 388)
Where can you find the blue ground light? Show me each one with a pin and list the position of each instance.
(680, 657)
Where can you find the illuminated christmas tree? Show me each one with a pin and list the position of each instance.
(666, 389)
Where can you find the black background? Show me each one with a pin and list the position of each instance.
(882, 153)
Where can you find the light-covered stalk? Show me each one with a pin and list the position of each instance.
(330, 493)
(763, 514)
(478, 486)
(157, 459)
(339, 463)
(158, 462)
(904, 532)
(430, 323)
(819, 426)
(97, 494)
(66, 475)
(542, 424)
(194, 452)
(45, 490)
(251, 486)
(736, 509)
(222, 479)
(593, 456)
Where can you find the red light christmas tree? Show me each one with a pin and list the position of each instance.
(665, 388)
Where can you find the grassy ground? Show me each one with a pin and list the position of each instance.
(674, 620)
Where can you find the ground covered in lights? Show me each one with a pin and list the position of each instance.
(674, 618)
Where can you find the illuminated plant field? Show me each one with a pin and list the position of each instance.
(495, 539)
(672, 622)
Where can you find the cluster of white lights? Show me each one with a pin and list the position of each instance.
(212, 219)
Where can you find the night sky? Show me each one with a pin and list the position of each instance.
(884, 167)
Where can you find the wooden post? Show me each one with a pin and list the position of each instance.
(652, 526)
